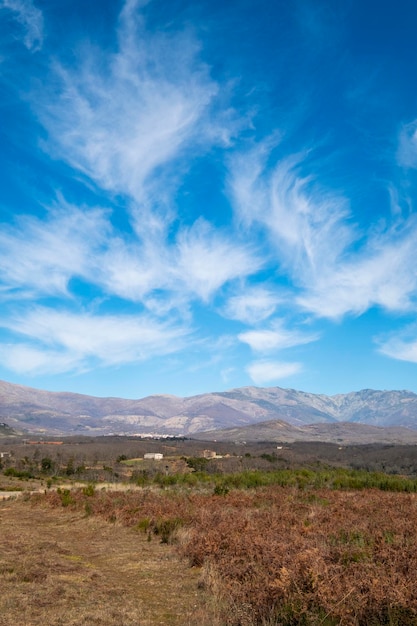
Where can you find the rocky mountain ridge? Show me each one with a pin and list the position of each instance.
(62, 413)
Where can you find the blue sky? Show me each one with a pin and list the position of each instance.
(203, 195)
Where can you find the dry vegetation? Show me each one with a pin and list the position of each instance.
(279, 555)
(60, 568)
(222, 545)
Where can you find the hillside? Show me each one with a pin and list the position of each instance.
(38, 411)
(344, 433)
(6, 431)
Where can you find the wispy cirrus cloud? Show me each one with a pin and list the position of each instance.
(124, 119)
(277, 337)
(30, 18)
(145, 129)
(39, 257)
(195, 265)
(335, 268)
(308, 227)
(80, 341)
(117, 117)
(265, 372)
(252, 305)
(400, 345)
(208, 259)
(407, 145)
(24, 358)
(383, 274)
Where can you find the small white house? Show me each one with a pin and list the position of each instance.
(157, 456)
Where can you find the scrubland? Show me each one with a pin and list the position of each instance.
(59, 568)
(250, 547)
(281, 555)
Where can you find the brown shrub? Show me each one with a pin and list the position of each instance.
(283, 556)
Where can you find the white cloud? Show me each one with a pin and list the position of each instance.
(42, 256)
(227, 374)
(407, 145)
(384, 274)
(207, 259)
(253, 305)
(30, 18)
(275, 338)
(26, 359)
(195, 265)
(307, 228)
(263, 372)
(74, 341)
(334, 268)
(401, 346)
(125, 119)
(119, 117)
(131, 269)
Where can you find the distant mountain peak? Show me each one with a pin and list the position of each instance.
(69, 413)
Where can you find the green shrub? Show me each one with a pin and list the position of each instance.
(143, 524)
(140, 477)
(89, 490)
(15, 473)
(198, 464)
(166, 480)
(166, 529)
(221, 489)
(272, 458)
(65, 495)
(47, 464)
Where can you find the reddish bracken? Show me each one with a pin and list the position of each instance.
(288, 556)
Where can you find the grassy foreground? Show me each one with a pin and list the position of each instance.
(284, 548)
(279, 555)
(60, 568)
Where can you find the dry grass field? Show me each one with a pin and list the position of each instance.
(61, 568)
(270, 556)
(282, 556)
(237, 541)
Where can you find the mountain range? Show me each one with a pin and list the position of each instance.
(274, 413)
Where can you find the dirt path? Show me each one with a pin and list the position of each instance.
(58, 568)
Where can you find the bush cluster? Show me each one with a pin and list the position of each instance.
(290, 553)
